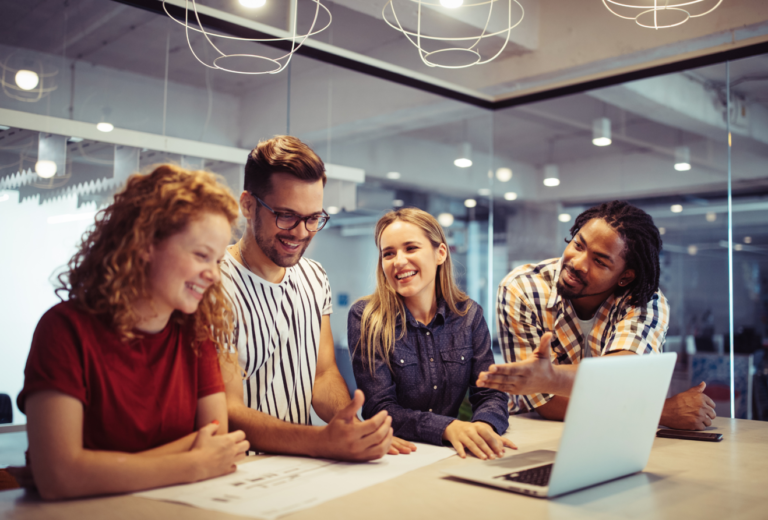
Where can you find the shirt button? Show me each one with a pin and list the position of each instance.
(435, 387)
(432, 360)
(427, 333)
(462, 358)
(403, 361)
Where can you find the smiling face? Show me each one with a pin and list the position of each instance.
(183, 266)
(409, 260)
(288, 195)
(593, 263)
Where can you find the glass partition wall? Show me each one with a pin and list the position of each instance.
(480, 172)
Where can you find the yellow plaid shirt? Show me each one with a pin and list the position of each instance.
(527, 306)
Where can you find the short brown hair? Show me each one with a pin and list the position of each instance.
(281, 154)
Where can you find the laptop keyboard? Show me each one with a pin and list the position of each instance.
(538, 476)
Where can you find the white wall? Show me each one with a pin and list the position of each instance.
(31, 252)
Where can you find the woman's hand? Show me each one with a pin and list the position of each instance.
(478, 437)
(401, 446)
(218, 453)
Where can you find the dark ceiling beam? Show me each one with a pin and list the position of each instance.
(156, 6)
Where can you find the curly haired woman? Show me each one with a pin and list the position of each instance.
(122, 386)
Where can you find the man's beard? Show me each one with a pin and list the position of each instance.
(267, 244)
(566, 292)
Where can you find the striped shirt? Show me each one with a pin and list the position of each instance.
(277, 335)
(528, 305)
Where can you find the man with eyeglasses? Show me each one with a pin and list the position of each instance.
(282, 361)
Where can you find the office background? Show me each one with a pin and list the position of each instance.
(390, 130)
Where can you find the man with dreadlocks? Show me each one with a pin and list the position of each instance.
(601, 298)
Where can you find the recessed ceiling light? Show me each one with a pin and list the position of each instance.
(564, 217)
(738, 247)
(470, 203)
(27, 79)
(393, 175)
(676, 208)
(510, 195)
(711, 216)
(747, 240)
(504, 174)
(332, 210)
(445, 219)
(105, 127)
(692, 250)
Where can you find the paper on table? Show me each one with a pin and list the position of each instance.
(279, 485)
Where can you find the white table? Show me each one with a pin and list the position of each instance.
(683, 479)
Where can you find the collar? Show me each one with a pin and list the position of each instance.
(440, 315)
(554, 297)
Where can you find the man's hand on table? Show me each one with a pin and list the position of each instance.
(401, 446)
(346, 438)
(536, 375)
(689, 410)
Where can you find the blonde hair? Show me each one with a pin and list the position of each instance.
(385, 306)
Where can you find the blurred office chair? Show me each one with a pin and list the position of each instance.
(6, 409)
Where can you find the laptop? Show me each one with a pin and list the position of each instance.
(610, 426)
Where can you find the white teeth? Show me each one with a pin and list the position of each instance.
(289, 244)
(405, 275)
(196, 288)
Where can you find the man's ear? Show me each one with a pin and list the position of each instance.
(626, 277)
(442, 254)
(247, 204)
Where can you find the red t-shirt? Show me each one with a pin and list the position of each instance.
(136, 395)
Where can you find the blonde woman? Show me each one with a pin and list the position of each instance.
(418, 343)
(122, 386)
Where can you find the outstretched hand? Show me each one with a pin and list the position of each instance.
(532, 376)
(689, 410)
(345, 438)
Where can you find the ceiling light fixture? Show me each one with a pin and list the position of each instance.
(470, 203)
(251, 4)
(510, 195)
(236, 63)
(692, 250)
(398, 203)
(747, 240)
(662, 231)
(105, 127)
(504, 174)
(711, 216)
(676, 208)
(445, 219)
(661, 14)
(45, 168)
(484, 192)
(27, 79)
(393, 175)
(682, 159)
(601, 131)
(564, 217)
(332, 210)
(738, 247)
(464, 160)
(464, 51)
(551, 175)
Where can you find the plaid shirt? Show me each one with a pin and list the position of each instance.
(528, 305)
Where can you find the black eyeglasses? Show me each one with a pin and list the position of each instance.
(288, 221)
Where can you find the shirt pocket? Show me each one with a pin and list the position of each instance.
(406, 375)
(458, 365)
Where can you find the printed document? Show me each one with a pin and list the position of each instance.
(275, 486)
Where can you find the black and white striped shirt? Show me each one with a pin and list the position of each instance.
(277, 334)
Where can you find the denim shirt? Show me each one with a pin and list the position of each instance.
(432, 367)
